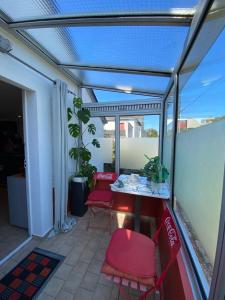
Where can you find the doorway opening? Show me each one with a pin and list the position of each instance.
(13, 189)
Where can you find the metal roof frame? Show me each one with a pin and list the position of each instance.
(112, 89)
(175, 18)
(203, 10)
(37, 48)
(118, 69)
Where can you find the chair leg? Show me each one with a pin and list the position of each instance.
(91, 214)
(157, 295)
(118, 295)
(110, 221)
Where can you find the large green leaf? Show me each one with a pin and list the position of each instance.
(85, 154)
(96, 143)
(74, 130)
(69, 114)
(84, 115)
(77, 102)
(74, 153)
(91, 128)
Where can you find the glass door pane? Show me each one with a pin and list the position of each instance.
(104, 157)
(139, 136)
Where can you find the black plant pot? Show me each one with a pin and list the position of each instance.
(79, 191)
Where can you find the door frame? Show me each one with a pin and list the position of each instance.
(25, 98)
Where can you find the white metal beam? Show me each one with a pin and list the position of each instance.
(175, 18)
(112, 89)
(118, 69)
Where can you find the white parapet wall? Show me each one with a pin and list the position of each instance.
(199, 173)
(133, 151)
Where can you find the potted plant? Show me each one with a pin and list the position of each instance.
(155, 172)
(81, 154)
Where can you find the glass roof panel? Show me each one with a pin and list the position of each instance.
(125, 82)
(154, 47)
(33, 9)
(106, 96)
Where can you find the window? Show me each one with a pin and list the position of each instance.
(104, 157)
(200, 155)
(139, 136)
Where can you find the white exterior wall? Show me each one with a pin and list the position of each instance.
(38, 110)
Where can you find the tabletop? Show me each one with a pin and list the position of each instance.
(140, 186)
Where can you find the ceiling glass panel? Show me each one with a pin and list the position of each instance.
(31, 9)
(155, 47)
(125, 82)
(106, 96)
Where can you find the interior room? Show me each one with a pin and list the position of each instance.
(13, 202)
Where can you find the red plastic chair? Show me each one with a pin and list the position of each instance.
(101, 197)
(131, 258)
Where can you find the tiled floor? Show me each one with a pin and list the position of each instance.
(79, 276)
(10, 236)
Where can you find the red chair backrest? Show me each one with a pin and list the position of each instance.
(174, 244)
(102, 180)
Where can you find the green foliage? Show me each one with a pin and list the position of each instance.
(80, 152)
(77, 102)
(87, 170)
(91, 129)
(96, 143)
(74, 153)
(85, 154)
(151, 132)
(69, 114)
(74, 130)
(154, 170)
(84, 115)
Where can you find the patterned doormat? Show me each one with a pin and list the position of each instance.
(29, 277)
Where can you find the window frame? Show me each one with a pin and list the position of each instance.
(216, 289)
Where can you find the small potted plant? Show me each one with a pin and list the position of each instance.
(81, 154)
(155, 172)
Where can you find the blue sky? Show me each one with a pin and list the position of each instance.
(151, 122)
(203, 96)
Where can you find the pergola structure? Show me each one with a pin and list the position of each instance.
(132, 47)
(149, 40)
(136, 47)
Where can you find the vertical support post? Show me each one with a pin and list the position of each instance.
(117, 144)
(79, 94)
(161, 131)
(217, 290)
(173, 155)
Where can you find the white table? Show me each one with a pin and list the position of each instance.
(139, 188)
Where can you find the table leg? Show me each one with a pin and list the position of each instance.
(137, 217)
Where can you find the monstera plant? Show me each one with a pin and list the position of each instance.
(78, 118)
(154, 170)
